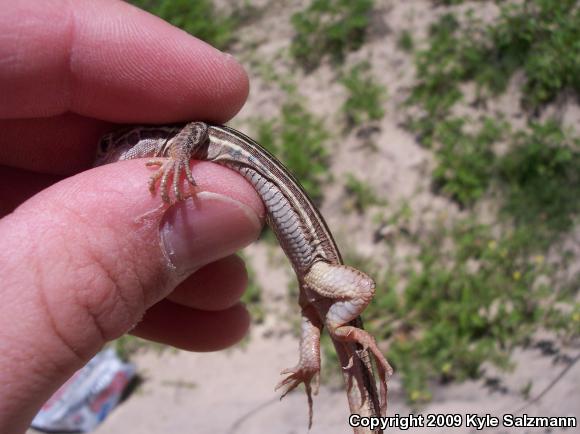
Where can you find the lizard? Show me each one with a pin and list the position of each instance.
(332, 294)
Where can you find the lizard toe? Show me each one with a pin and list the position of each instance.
(297, 375)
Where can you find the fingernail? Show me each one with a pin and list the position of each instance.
(211, 226)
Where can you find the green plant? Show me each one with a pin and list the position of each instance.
(365, 97)
(198, 18)
(297, 139)
(469, 297)
(363, 194)
(405, 41)
(472, 292)
(542, 174)
(528, 37)
(439, 69)
(564, 317)
(540, 37)
(543, 37)
(465, 161)
(329, 27)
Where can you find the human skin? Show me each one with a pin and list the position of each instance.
(83, 258)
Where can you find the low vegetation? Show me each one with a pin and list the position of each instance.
(297, 138)
(329, 28)
(366, 97)
(470, 296)
(198, 18)
(362, 194)
(541, 174)
(540, 38)
(474, 290)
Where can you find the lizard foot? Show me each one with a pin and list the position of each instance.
(168, 167)
(361, 337)
(300, 374)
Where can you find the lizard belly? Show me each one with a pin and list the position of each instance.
(286, 223)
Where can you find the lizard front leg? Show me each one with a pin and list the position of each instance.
(350, 291)
(170, 149)
(307, 370)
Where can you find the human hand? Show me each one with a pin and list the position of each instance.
(79, 263)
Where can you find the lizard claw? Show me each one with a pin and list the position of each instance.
(349, 364)
(170, 167)
(368, 343)
(311, 380)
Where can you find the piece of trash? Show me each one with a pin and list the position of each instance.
(86, 399)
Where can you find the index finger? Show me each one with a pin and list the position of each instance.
(111, 61)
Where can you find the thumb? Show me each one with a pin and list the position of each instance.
(83, 260)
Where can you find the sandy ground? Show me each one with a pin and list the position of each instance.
(232, 391)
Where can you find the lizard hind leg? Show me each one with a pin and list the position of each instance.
(368, 343)
(350, 291)
(307, 370)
